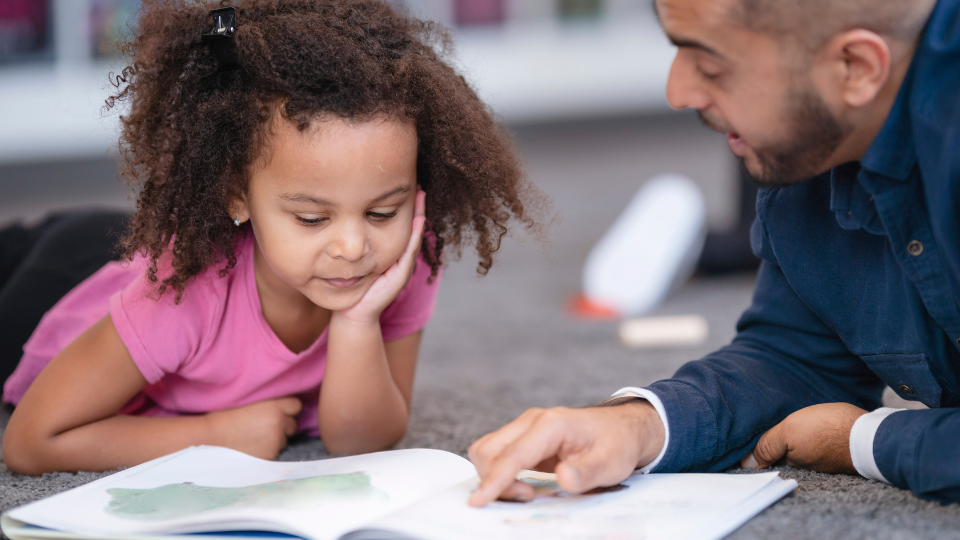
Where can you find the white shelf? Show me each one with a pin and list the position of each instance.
(530, 72)
(551, 71)
(47, 113)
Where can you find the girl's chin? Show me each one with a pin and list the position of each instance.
(338, 300)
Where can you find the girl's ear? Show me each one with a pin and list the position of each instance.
(239, 214)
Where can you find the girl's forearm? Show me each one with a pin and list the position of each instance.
(116, 441)
(361, 407)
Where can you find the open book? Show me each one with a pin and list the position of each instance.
(402, 494)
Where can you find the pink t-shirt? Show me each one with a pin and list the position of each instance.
(212, 351)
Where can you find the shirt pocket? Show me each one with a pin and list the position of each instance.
(908, 375)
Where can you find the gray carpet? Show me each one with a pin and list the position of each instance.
(501, 344)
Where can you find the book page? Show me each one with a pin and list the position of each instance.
(217, 489)
(644, 507)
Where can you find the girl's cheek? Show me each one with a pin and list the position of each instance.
(396, 244)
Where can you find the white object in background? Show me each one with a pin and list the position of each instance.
(652, 332)
(653, 246)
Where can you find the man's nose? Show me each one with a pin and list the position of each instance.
(683, 86)
(351, 242)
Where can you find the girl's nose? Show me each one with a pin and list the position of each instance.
(350, 244)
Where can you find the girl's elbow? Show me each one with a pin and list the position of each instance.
(22, 454)
(351, 445)
(27, 446)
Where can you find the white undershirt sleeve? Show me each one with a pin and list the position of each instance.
(862, 433)
(626, 394)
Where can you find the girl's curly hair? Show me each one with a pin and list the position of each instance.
(193, 130)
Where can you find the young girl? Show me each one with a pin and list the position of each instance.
(301, 169)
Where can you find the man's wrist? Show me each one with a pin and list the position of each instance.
(654, 441)
(650, 430)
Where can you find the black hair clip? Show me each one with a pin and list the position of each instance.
(221, 38)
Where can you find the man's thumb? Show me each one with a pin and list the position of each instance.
(770, 449)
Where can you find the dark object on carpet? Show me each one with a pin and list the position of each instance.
(730, 251)
(44, 263)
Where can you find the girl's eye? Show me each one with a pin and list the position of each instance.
(311, 221)
(377, 216)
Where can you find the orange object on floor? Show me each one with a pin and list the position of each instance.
(585, 308)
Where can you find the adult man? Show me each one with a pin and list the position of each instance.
(847, 110)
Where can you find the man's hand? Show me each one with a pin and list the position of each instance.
(259, 429)
(815, 438)
(587, 448)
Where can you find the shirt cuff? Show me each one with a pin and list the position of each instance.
(862, 433)
(626, 394)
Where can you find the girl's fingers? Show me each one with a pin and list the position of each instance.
(290, 426)
(290, 406)
(416, 236)
(420, 206)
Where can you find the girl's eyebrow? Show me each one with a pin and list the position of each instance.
(301, 197)
(304, 198)
(393, 192)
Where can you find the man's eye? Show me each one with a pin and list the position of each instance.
(708, 74)
(377, 216)
(311, 221)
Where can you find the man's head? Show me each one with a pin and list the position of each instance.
(798, 86)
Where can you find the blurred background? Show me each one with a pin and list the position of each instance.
(580, 82)
(555, 69)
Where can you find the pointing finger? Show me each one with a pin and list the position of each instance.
(518, 491)
(541, 441)
(488, 448)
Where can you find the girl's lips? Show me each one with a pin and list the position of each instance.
(737, 145)
(341, 283)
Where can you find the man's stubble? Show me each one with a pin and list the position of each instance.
(814, 135)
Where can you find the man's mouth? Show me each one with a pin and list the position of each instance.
(737, 145)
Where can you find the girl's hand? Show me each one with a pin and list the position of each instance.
(259, 429)
(391, 282)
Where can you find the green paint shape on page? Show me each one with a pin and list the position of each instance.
(181, 500)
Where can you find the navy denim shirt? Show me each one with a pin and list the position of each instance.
(859, 287)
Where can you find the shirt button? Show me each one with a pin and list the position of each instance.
(915, 248)
(906, 389)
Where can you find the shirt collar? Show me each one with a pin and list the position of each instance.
(892, 153)
(853, 205)
(927, 97)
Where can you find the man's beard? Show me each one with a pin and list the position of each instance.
(815, 134)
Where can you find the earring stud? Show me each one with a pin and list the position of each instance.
(237, 221)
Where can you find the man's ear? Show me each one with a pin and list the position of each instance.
(859, 62)
(239, 213)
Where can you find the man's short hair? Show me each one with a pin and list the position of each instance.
(811, 23)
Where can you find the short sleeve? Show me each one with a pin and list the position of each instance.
(161, 335)
(412, 308)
